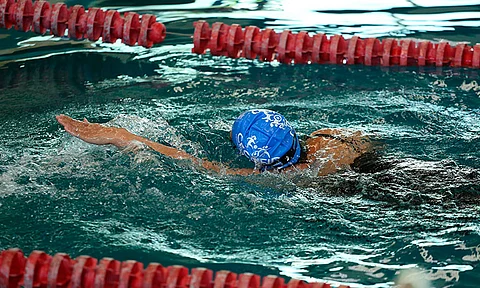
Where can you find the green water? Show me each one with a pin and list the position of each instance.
(419, 208)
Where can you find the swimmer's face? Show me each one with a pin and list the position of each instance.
(231, 139)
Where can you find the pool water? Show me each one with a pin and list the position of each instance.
(417, 206)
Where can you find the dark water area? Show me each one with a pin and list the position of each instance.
(416, 205)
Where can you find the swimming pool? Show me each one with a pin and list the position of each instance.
(419, 208)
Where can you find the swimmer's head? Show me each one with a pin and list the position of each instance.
(266, 138)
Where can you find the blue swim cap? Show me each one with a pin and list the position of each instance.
(267, 139)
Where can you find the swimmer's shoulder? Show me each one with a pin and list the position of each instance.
(341, 139)
(333, 150)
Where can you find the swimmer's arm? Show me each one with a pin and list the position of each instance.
(95, 133)
(180, 154)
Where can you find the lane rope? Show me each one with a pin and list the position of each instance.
(61, 271)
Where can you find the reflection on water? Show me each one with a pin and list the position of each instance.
(415, 206)
(418, 19)
(55, 81)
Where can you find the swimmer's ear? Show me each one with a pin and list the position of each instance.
(85, 120)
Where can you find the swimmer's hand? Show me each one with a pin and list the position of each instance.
(95, 133)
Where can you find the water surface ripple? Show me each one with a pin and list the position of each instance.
(417, 205)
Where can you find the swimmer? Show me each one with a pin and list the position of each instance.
(265, 137)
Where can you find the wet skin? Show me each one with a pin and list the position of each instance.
(330, 150)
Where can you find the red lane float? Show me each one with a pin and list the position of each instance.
(250, 50)
(232, 40)
(60, 271)
(131, 29)
(12, 268)
(36, 269)
(77, 22)
(83, 273)
(92, 24)
(7, 13)
(201, 37)
(151, 32)
(301, 48)
(154, 276)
